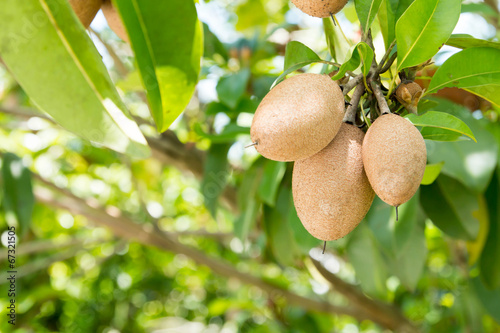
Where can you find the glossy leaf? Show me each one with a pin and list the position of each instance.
(367, 10)
(18, 198)
(58, 66)
(271, 180)
(387, 19)
(451, 207)
(445, 122)
(423, 28)
(215, 175)
(360, 54)
(297, 55)
(474, 69)
(367, 261)
(337, 42)
(231, 88)
(432, 171)
(167, 40)
(490, 257)
(464, 41)
(471, 163)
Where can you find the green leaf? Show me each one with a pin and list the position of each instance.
(365, 256)
(387, 19)
(367, 10)
(337, 42)
(279, 235)
(230, 132)
(303, 238)
(271, 180)
(451, 207)
(231, 88)
(215, 176)
(167, 40)
(410, 261)
(18, 199)
(488, 298)
(361, 53)
(464, 41)
(432, 171)
(471, 163)
(251, 14)
(248, 202)
(423, 29)
(297, 55)
(475, 69)
(58, 66)
(445, 122)
(490, 257)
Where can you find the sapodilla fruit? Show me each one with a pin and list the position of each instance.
(86, 10)
(394, 156)
(320, 8)
(114, 20)
(298, 117)
(330, 189)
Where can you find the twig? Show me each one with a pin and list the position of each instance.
(120, 66)
(351, 84)
(388, 64)
(350, 114)
(386, 56)
(379, 95)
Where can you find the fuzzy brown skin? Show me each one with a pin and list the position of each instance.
(320, 8)
(330, 189)
(86, 10)
(298, 117)
(394, 156)
(409, 94)
(114, 20)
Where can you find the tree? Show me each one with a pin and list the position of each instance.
(136, 206)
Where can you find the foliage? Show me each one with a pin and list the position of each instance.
(133, 230)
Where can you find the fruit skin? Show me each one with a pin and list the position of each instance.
(86, 10)
(298, 117)
(330, 189)
(409, 93)
(320, 8)
(114, 20)
(394, 156)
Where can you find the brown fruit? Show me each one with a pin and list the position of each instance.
(86, 10)
(394, 156)
(298, 117)
(114, 20)
(320, 8)
(409, 93)
(330, 189)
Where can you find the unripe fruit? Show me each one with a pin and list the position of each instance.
(409, 93)
(394, 156)
(330, 189)
(86, 10)
(298, 117)
(320, 8)
(114, 20)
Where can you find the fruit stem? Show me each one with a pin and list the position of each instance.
(252, 144)
(397, 214)
(379, 95)
(350, 114)
(324, 247)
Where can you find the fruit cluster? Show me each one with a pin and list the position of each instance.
(338, 169)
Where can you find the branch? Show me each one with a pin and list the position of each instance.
(120, 66)
(129, 230)
(350, 114)
(384, 314)
(351, 84)
(379, 95)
